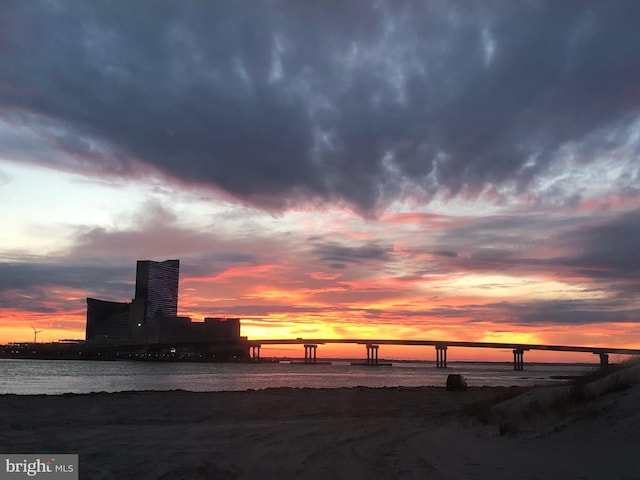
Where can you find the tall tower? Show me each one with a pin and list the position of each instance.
(157, 287)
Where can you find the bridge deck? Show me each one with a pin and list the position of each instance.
(447, 343)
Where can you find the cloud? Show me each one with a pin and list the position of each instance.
(33, 285)
(596, 250)
(283, 102)
(570, 312)
(339, 256)
(154, 229)
(445, 253)
(608, 253)
(613, 246)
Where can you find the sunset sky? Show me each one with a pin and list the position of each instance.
(382, 169)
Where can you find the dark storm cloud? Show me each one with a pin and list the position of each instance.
(360, 102)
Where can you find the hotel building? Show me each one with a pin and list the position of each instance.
(152, 316)
(157, 287)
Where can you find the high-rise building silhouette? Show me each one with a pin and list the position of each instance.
(156, 297)
(157, 288)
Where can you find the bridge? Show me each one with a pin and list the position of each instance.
(372, 346)
(243, 348)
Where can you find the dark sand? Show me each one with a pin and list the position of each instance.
(355, 433)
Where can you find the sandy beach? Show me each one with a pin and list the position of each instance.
(553, 432)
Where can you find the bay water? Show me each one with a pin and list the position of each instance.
(30, 377)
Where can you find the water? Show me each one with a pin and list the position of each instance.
(60, 376)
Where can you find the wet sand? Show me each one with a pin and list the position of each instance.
(386, 433)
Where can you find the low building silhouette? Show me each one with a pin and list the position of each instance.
(108, 322)
(183, 330)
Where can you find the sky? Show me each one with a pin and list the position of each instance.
(372, 169)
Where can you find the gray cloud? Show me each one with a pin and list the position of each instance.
(338, 255)
(445, 253)
(571, 312)
(601, 249)
(37, 278)
(284, 101)
(611, 248)
(205, 265)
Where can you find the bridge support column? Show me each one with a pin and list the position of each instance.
(372, 354)
(255, 352)
(441, 356)
(604, 360)
(310, 353)
(518, 359)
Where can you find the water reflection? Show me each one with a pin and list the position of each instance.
(60, 376)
